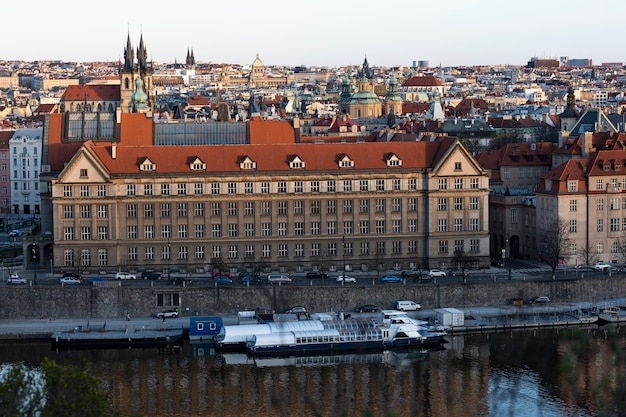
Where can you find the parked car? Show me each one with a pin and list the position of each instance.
(16, 279)
(601, 266)
(125, 275)
(15, 233)
(167, 314)
(316, 275)
(276, 278)
(390, 278)
(222, 279)
(345, 278)
(539, 300)
(70, 275)
(70, 280)
(435, 273)
(458, 272)
(249, 278)
(96, 278)
(407, 305)
(367, 308)
(224, 274)
(411, 274)
(296, 310)
(496, 262)
(151, 275)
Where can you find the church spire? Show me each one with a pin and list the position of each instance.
(142, 56)
(129, 56)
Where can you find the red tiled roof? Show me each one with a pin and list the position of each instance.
(95, 92)
(317, 157)
(425, 81)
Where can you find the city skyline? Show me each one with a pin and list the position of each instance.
(456, 33)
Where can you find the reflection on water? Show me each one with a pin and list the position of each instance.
(540, 373)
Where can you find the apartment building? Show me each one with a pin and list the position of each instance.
(281, 207)
(25, 163)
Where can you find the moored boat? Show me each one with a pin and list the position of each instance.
(103, 337)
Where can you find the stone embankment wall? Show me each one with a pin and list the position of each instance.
(85, 301)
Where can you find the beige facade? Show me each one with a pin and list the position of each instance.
(290, 220)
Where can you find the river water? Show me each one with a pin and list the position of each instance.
(551, 372)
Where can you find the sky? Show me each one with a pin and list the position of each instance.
(316, 33)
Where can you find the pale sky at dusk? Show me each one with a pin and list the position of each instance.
(317, 33)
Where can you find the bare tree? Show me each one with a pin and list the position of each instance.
(588, 255)
(218, 265)
(556, 242)
(462, 260)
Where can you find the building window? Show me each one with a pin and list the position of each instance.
(331, 206)
(103, 232)
(332, 227)
(233, 251)
(474, 225)
(216, 209)
(147, 210)
(458, 203)
(315, 207)
(102, 190)
(200, 231)
(412, 226)
(249, 251)
(411, 204)
(85, 233)
(67, 190)
(315, 186)
(282, 186)
(165, 189)
(282, 229)
(347, 227)
(266, 229)
(572, 186)
(396, 185)
(282, 250)
(232, 188)
(443, 184)
(380, 226)
(573, 205)
(68, 233)
(298, 228)
(364, 227)
(458, 225)
(412, 184)
(165, 209)
(248, 187)
(298, 207)
(614, 204)
(149, 231)
(102, 211)
(315, 228)
(199, 209)
(442, 204)
(396, 205)
(331, 186)
(265, 187)
(599, 184)
(514, 216)
(68, 212)
(442, 225)
(365, 248)
(614, 225)
(182, 252)
(380, 248)
(363, 206)
(600, 204)
(132, 232)
(147, 189)
(412, 246)
(199, 252)
(315, 249)
(364, 185)
(182, 209)
(600, 225)
(474, 183)
(298, 186)
(347, 206)
(249, 229)
(232, 230)
(396, 226)
(474, 203)
(215, 188)
(84, 191)
(103, 257)
(266, 207)
(282, 208)
(85, 212)
(380, 205)
(299, 249)
(132, 254)
(232, 208)
(131, 189)
(347, 185)
(600, 247)
(458, 183)
(475, 245)
(198, 188)
(332, 249)
(396, 247)
(216, 230)
(459, 246)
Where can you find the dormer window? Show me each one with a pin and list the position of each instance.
(346, 162)
(618, 165)
(247, 163)
(197, 165)
(296, 163)
(393, 161)
(606, 166)
(147, 165)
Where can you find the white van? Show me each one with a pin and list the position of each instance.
(275, 279)
(406, 305)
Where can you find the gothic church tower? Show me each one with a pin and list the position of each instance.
(132, 70)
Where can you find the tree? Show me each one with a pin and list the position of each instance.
(588, 256)
(218, 264)
(22, 391)
(556, 242)
(462, 260)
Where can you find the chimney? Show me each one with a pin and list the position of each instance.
(114, 150)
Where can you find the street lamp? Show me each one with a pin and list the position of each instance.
(169, 259)
(343, 258)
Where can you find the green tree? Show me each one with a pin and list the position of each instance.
(22, 391)
(73, 392)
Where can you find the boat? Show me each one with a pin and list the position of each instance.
(612, 314)
(103, 337)
(326, 333)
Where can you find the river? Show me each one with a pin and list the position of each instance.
(551, 372)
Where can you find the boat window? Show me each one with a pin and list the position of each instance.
(200, 326)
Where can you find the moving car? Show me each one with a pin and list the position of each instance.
(316, 275)
(96, 278)
(368, 308)
(411, 274)
(345, 278)
(15, 233)
(601, 266)
(539, 300)
(249, 278)
(434, 273)
(70, 280)
(125, 275)
(390, 278)
(167, 314)
(296, 310)
(16, 279)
